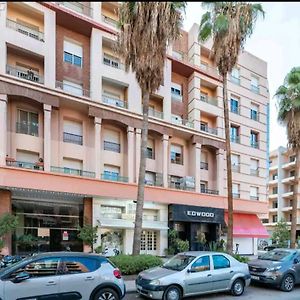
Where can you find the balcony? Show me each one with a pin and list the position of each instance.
(203, 165)
(155, 113)
(70, 171)
(78, 7)
(210, 70)
(71, 89)
(110, 100)
(235, 80)
(182, 122)
(255, 89)
(110, 21)
(205, 128)
(235, 139)
(273, 181)
(209, 191)
(24, 74)
(114, 177)
(287, 208)
(184, 183)
(29, 128)
(210, 100)
(37, 35)
(73, 138)
(25, 165)
(180, 56)
(273, 195)
(236, 168)
(176, 97)
(289, 179)
(158, 181)
(254, 197)
(236, 195)
(289, 165)
(288, 194)
(254, 144)
(111, 146)
(112, 61)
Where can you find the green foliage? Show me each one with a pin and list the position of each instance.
(281, 234)
(88, 234)
(133, 264)
(8, 223)
(26, 240)
(182, 246)
(98, 249)
(217, 246)
(240, 258)
(176, 244)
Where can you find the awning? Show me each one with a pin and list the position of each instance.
(247, 225)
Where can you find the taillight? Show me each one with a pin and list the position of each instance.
(117, 273)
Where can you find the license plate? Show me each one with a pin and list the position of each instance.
(254, 277)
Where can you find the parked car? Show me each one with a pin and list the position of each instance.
(62, 275)
(266, 249)
(279, 267)
(194, 273)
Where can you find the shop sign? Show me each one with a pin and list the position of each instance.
(43, 232)
(65, 236)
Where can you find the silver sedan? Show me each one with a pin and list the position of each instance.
(194, 273)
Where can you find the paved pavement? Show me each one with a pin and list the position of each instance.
(251, 293)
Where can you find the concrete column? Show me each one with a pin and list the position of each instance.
(96, 64)
(220, 96)
(5, 207)
(98, 155)
(3, 60)
(197, 169)
(167, 91)
(194, 98)
(138, 133)
(194, 46)
(3, 129)
(87, 217)
(96, 11)
(130, 154)
(165, 156)
(47, 137)
(220, 171)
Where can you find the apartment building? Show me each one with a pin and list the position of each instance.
(281, 188)
(70, 130)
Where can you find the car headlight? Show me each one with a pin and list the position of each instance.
(274, 269)
(154, 282)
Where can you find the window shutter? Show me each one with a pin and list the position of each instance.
(72, 163)
(176, 149)
(111, 136)
(73, 127)
(112, 169)
(26, 156)
(73, 48)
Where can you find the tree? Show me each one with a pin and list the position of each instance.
(229, 24)
(288, 96)
(146, 28)
(280, 235)
(8, 223)
(88, 234)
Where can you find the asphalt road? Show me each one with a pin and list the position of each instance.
(253, 292)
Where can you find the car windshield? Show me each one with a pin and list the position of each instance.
(277, 255)
(179, 262)
(13, 266)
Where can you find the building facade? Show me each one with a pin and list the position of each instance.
(70, 124)
(281, 188)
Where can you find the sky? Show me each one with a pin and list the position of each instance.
(276, 39)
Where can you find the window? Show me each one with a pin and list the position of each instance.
(204, 160)
(201, 264)
(150, 178)
(204, 96)
(275, 204)
(254, 112)
(292, 173)
(149, 240)
(73, 88)
(235, 75)
(72, 132)
(254, 84)
(253, 193)
(150, 149)
(234, 134)
(235, 190)
(73, 53)
(220, 262)
(26, 157)
(111, 172)
(75, 265)
(234, 106)
(254, 139)
(72, 166)
(254, 163)
(203, 186)
(112, 140)
(176, 91)
(275, 176)
(176, 119)
(28, 123)
(175, 182)
(274, 219)
(275, 190)
(235, 162)
(176, 154)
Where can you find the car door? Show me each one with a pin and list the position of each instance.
(198, 279)
(78, 276)
(42, 284)
(296, 266)
(222, 272)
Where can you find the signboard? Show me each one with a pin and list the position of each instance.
(198, 214)
(43, 232)
(65, 236)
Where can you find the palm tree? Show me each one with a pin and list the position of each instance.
(229, 24)
(288, 96)
(146, 29)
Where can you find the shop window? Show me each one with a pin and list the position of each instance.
(176, 154)
(201, 264)
(75, 265)
(220, 262)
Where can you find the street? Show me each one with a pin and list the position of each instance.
(251, 293)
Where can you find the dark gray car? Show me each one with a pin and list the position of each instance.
(279, 267)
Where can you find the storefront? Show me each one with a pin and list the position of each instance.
(199, 225)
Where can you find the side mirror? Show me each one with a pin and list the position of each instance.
(191, 270)
(21, 277)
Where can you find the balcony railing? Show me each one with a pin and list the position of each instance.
(185, 183)
(71, 171)
(111, 146)
(180, 56)
(158, 181)
(236, 195)
(176, 97)
(210, 100)
(210, 70)
(114, 101)
(254, 197)
(24, 165)
(114, 177)
(26, 30)
(255, 89)
(110, 21)
(203, 165)
(254, 144)
(155, 113)
(112, 61)
(235, 80)
(29, 128)
(71, 89)
(183, 122)
(209, 191)
(78, 7)
(235, 139)
(205, 128)
(73, 138)
(235, 167)
(24, 74)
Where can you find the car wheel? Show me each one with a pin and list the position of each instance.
(238, 287)
(172, 293)
(106, 294)
(287, 283)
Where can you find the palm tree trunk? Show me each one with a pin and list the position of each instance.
(229, 171)
(295, 202)
(141, 184)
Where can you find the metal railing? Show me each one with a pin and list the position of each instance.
(112, 61)
(184, 183)
(78, 7)
(114, 101)
(235, 139)
(182, 122)
(209, 191)
(111, 146)
(203, 165)
(24, 165)
(176, 97)
(235, 80)
(209, 100)
(72, 89)
(205, 128)
(73, 138)
(110, 21)
(236, 168)
(236, 195)
(158, 181)
(254, 172)
(155, 113)
(213, 71)
(26, 30)
(29, 128)
(114, 177)
(24, 74)
(255, 89)
(254, 197)
(254, 144)
(71, 171)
